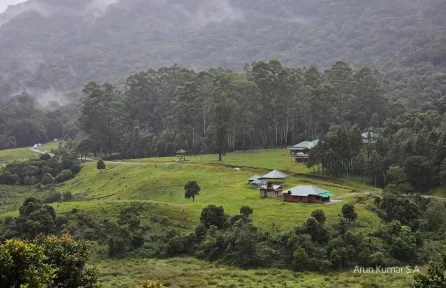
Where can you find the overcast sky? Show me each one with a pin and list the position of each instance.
(5, 3)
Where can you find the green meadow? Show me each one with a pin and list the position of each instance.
(161, 185)
(158, 184)
(16, 154)
(188, 273)
(20, 154)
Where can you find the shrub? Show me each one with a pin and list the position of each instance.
(47, 179)
(64, 175)
(53, 197)
(8, 220)
(70, 257)
(213, 216)
(61, 220)
(117, 246)
(71, 162)
(246, 210)
(33, 271)
(150, 284)
(348, 212)
(45, 157)
(100, 165)
(319, 215)
(67, 196)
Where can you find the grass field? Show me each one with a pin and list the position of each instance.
(158, 183)
(438, 192)
(16, 154)
(51, 145)
(26, 153)
(262, 160)
(189, 273)
(162, 185)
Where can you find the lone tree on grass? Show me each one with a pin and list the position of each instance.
(100, 165)
(191, 189)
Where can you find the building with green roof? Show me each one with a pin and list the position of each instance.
(299, 153)
(181, 154)
(306, 194)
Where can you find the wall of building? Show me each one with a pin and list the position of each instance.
(302, 199)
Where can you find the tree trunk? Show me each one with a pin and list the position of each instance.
(204, 121)
(219, 157)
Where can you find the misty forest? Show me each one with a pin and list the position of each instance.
(122, 88)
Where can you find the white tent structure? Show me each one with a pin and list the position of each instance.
(275, 174)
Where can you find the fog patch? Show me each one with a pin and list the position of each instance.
(217, 11)
(94, 9)
(99, 7)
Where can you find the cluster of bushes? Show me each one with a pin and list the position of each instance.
(58, 197)
(412, 229)
(315, 245)
(45, 170)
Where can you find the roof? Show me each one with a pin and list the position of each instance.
(305, 190)
(326, 194)
(274, 187)
(257, 182)
(305, 145)
(181, 151)
(253, 178)
(366, 135)
(274, 175)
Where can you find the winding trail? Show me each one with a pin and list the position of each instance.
(37, 150)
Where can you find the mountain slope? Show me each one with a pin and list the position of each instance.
(49, 45)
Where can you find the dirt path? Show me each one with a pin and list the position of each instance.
(36, 150)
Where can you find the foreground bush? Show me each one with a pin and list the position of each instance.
(47, 261)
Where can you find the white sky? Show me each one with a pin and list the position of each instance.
(5, 3)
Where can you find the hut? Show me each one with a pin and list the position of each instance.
(299, 153)
(273, 183)
(181, 154)
(369, 137)
(253, 178)
(306, 194)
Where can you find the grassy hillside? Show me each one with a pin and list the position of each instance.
(16, 154)
(24, 153)
(194, 273)
(158, 183)
(162, 184)
(261, 160)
